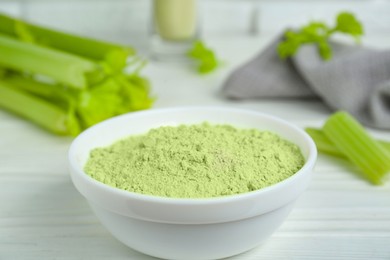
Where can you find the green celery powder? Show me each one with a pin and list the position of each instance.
(195, 161)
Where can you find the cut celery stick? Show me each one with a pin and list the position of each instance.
(63, 67)
(324, 145)
(385, 145)
(39, 111)
(114, 54)
(358, 146)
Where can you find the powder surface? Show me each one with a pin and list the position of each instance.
(195, 161)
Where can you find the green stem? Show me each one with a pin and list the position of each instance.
(60, 66)
(41, 112)
(324, 145)
(53, 93)
(358, 146)
(113, 54)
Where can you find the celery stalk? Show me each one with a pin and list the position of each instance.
(358, 146)
(65, 82)
(324, 145)
(113, 54)
(43, 113)
(57, 94)
(385, 145)
(118, 96)
(62, 67)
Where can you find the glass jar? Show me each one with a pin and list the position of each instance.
(174, 28)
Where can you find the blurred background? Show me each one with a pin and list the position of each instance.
(128, 21)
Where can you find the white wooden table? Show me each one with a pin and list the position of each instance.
(42, 216)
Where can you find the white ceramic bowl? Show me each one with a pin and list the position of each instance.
(182, 228)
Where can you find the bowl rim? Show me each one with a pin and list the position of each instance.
(308, 165)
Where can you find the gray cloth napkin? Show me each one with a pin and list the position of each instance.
(356, 80)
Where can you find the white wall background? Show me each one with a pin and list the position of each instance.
(127, 21)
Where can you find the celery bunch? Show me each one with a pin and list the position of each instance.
(344, 137)
(66, 83)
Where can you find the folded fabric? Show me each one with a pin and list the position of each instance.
(356, 79)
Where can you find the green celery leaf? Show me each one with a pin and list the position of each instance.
(313, 32)
(204, 57)
(135, 90)
(347, 23)
(318, 33)
(325, 50)
(100, 102)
